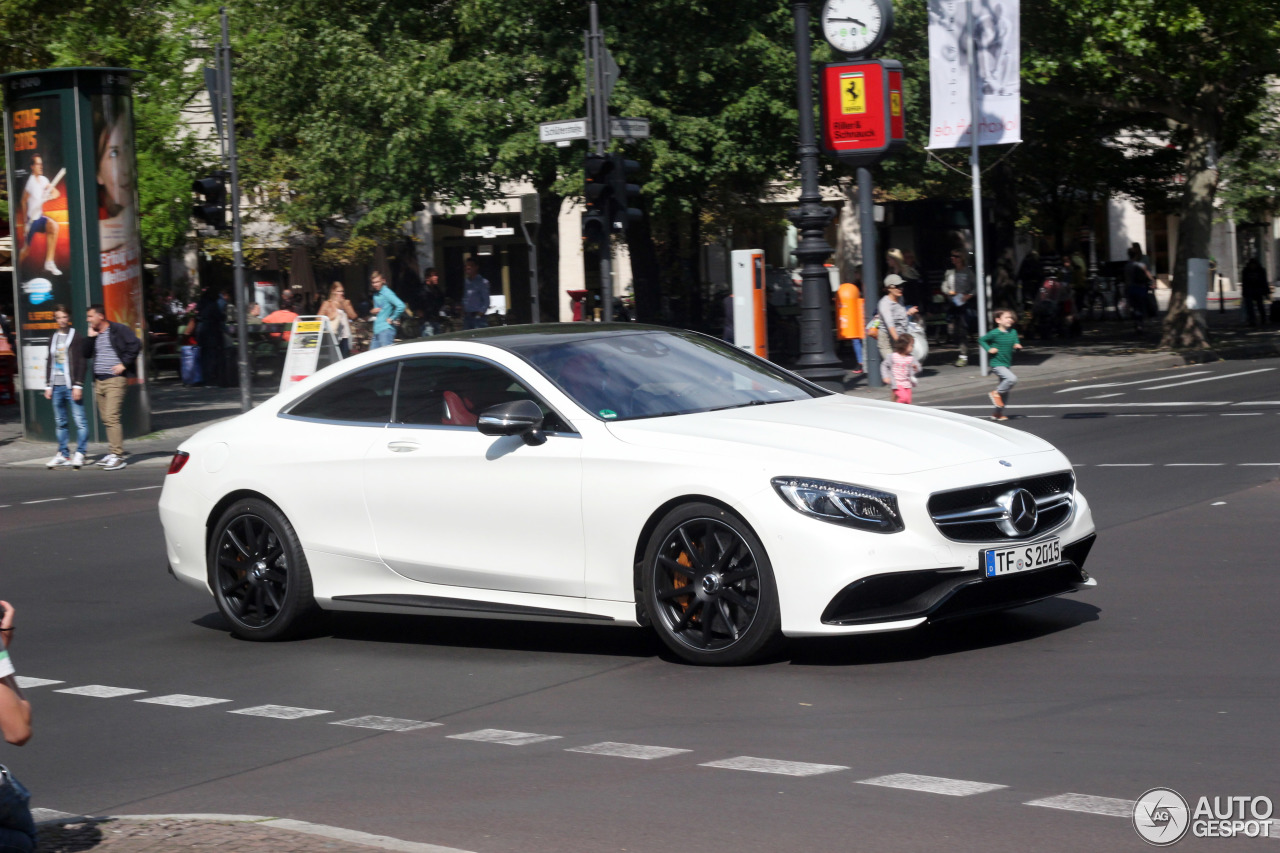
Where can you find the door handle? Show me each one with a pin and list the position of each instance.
(403, 446)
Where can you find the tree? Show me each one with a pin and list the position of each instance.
(1197, 69)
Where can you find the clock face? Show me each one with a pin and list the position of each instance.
(856, 26)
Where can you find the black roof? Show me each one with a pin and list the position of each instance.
(516, 337)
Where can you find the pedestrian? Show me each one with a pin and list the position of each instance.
(387, 308)
(211, 321)
(111, 353)
(340, 312)
(958, 287)
(1137, 286)
(475, 297)
(1255, 291)
(254, 317)
(64, 385)
(17, 828)
(432, 302)
(903, 369)
(895, 318)
(1000, 342)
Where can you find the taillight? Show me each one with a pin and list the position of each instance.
(179, 460)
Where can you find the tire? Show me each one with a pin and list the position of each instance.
(259, 574)
(703, 559)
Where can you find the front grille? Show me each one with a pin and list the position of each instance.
(972, 514)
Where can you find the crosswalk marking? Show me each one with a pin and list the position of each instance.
(182, 700)
(1086, 803)
(504, 737)
(279, 712)
(770, 765)
(628, 750)
(1134, 382)
(385, 724)
(1209, 379)
(26, 681)
(99, 691)
(932, 784)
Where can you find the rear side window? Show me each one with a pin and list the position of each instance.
(448, 390)
(363, 397)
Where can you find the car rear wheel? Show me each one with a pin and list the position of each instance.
(709, 588)
(258, 572)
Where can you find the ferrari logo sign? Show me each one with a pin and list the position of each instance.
(895, 103)
(853, 94)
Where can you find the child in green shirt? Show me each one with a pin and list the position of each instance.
(1001, 342)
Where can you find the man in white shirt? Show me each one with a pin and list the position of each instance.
(64, 385)
(37, 191)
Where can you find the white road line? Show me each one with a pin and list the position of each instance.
(1194, 464)
(1095, 405)
(143, 488)
(1135, 416)
(1134, 382)
(1196, 416)
(1209, 379)
(182, 700)
(1258, 464)
(385, 724)
(769, 765)
(1258, 403)
(93, 495)
(44, 501)
(5, 506)
(1242, 414)
(932, 784)
(279, 712)
(99, 691)
(1085, 803)
(628, 750)
(1105, 396)
(1123, 465)
(27, 681)
(504, 737)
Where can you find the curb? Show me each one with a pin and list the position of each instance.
(351, 836)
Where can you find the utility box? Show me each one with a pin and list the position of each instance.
(750, 331)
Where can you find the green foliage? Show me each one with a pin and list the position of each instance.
(1251, 173)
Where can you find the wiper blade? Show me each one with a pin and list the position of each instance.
(750, 403)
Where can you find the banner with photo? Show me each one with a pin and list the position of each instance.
(995, 33)
(119, 246)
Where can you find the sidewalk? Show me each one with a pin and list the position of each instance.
(1106, 346)
(238, 833)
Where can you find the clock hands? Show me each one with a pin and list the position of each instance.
(848, 21)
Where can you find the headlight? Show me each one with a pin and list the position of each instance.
(842, 503)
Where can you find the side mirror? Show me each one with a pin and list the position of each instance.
(519, 417)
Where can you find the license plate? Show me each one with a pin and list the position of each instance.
(1024, 558)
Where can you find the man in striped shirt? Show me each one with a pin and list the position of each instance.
(111, 349)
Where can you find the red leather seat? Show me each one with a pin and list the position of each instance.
(457, 411)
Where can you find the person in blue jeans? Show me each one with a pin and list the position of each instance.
(387, 308)
(64, 385)
(475, 297)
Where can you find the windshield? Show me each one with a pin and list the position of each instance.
(647, 374)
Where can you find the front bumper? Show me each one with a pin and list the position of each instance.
(939, 594)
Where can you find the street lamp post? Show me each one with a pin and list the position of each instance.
(818, 360)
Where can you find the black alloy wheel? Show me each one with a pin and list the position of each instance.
(709, 588)
(258, 572)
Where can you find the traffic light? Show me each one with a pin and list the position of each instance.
(212, 210)
(625, 195)
(598, 189)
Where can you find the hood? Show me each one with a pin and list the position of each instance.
(869, 435)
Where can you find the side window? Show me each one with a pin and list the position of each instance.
(363, 397)
(451, 391)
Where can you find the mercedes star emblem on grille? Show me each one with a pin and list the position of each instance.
(1021, 512)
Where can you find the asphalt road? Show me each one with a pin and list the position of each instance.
(1165, 675)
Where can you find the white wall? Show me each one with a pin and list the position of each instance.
(1125, 226)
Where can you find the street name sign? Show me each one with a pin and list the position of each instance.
(488, 232)
(629, 128)
(562, 131)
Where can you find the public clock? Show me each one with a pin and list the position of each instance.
(857, 27)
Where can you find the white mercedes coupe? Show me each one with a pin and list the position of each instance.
(619, 474)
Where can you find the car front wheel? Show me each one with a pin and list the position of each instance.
(258, 572)
(709, 588)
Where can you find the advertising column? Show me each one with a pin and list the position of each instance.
(74, 212)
